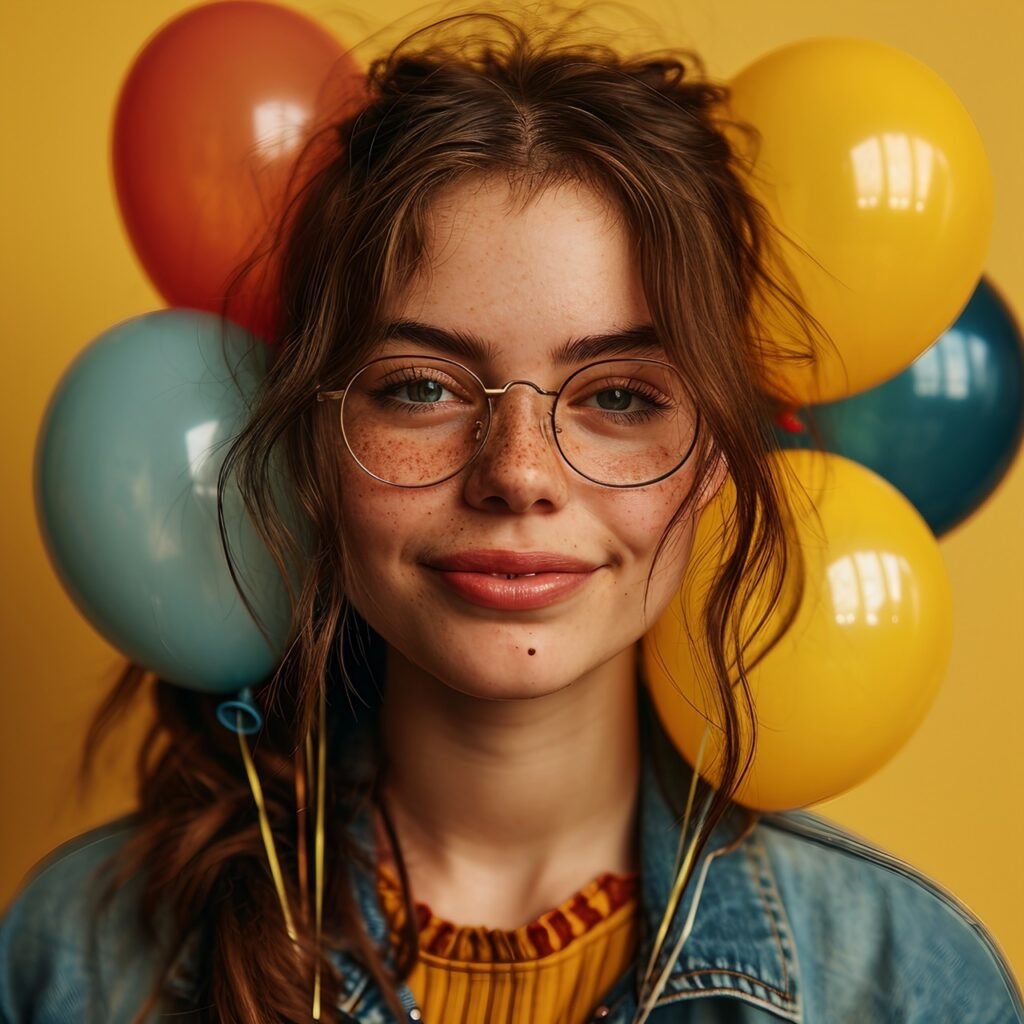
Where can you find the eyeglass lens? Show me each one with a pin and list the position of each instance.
(416, 421)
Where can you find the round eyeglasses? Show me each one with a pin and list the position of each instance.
(415, 421)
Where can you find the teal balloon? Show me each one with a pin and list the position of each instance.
(946, 429)
(125, 480)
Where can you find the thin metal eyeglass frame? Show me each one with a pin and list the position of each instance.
(324, 396)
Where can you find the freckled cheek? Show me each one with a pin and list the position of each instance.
(382, 523)
(393, 459)
(639, 518)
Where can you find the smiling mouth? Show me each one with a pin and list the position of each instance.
(511, 591)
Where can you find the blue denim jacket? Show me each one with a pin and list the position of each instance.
(792, 918)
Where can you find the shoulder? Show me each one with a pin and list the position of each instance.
(870, 928)
(61, 958)
(63, 877)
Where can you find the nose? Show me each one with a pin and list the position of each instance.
(519, 468)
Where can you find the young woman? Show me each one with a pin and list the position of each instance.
(517, 357)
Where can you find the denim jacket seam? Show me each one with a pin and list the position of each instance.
(790, 1009)
(758, 867)
(760, 983)
(771, 900)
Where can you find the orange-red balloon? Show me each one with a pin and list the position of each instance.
(209, 122)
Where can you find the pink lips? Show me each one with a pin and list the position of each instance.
(539, 578)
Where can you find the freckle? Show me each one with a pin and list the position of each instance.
(531, 651)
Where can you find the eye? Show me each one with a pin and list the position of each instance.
(417, 386)
(424, 390)
(616, 399)
(624, 397)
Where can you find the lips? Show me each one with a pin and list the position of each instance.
(513, 580)
(511, 563)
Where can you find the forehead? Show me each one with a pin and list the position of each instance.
(525, 279)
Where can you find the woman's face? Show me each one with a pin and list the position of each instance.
(524, 283)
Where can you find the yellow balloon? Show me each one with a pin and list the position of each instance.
(870, 163)
(862, 662)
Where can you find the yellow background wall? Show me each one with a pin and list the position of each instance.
(950, 802)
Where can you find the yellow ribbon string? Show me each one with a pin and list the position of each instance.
(268, 837)
(301, 829)
(321, 788)
(682, 876)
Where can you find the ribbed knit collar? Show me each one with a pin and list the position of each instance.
(552, 931)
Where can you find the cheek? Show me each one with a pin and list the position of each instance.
(639, 518)
(376, 519)
(384, 527)
(377, 522)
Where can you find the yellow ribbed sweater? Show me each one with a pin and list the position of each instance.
(553, 970)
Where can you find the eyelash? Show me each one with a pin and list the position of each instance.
(385, 391)
(641, 390)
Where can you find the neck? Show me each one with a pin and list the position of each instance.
(503, 808)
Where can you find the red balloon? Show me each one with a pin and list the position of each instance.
(209, 124)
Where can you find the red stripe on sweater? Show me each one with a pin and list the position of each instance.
(539, 937)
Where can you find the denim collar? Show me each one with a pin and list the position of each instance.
(740, 944)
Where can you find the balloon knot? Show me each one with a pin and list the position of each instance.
(790, 422)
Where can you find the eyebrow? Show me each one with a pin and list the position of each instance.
(635, 339)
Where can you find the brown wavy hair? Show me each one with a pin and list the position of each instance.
(471, 94)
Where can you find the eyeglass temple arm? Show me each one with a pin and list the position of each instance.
(324, 396)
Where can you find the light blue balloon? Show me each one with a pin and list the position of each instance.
(126, 468)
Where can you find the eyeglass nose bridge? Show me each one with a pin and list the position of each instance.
(489, 392)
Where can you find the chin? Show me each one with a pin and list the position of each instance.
(516, 676)
(506, 690)
(497, 668)
(489, 658)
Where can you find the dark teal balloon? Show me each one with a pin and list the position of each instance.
(126, 488)
(946, 429)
